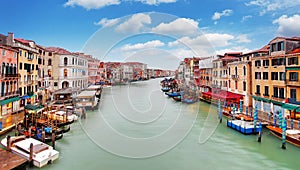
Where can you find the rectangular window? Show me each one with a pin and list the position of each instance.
(265, 75)
(55, 84)
(236, 85)
(20, 53)
(274, 76)
(273, 47)
(275, 92)
(36, 67)
(282, 76)
(244, 86)
(281, 93)
(280, 46)
(20, 67)
(278, 61)
(266, 63)
(293, 61)
(266, 91)
(257, 75)
(293, 94)
(293, 76)
(257, 89)
(3, 52)
(257, 63)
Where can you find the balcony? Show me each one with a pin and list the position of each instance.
(278, 98)
(29, 71)
(235, 77)
(293, 101)
(9, 94)
(293, 83)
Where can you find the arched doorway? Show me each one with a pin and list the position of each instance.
(65, 84)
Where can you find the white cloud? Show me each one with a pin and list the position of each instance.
(288, 26)
(155, 2)
(142, 46)
(205, 40)
(218, 15)
(135, 23)
(104, 22)
(96, 4)
(92, 4)
(274, 5)
(181, 26)
(243, 38)
(233, 49)
(245, 18)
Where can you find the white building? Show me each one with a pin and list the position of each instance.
(69, 69)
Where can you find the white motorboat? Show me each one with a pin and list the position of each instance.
(42, 155)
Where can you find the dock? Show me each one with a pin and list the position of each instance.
(9, 160)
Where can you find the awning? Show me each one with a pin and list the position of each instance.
(26, 96)
(6, 101)
(221, 94)
(292, 68)
(291, 107)
(261, 99)
(277, 103)
(33, 107)
(206, 93)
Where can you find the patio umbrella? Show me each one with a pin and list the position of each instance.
(283, 134)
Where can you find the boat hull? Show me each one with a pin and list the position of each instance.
(244, 127)
(278, 133)
(40, 159)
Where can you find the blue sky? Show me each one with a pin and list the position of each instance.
(188, 27)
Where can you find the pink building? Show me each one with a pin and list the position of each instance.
(10, 113)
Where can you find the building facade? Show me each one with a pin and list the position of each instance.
(69, 69)
(10, 111)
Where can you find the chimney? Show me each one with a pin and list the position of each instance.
(10, 39)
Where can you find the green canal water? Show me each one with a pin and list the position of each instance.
(137, 127)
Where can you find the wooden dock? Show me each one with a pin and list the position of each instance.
(9, 160)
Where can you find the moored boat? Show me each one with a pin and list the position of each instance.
(292, 135)
(244, 127)
(173, 94)
(165, 89)
(188, 101)
(177, 98)
(40, 153)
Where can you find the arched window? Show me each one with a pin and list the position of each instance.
(49, 73)
(15, 69)
(65, 73)
(49, 62)
(66, 61)
(244, 70)
(236, 73)
(3, 68)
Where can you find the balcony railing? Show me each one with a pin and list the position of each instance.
(10, 94)
(235, 76)
(293, 101)
(293, 83)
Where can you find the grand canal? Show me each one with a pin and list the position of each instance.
(138, 127)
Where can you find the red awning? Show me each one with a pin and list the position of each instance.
(206, 93)
(227, 95)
